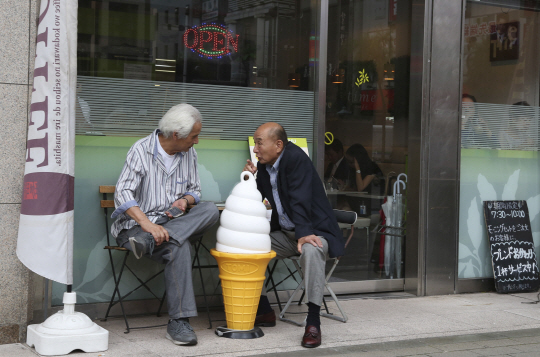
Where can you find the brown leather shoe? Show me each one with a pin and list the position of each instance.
(266, 320)
(312, 337)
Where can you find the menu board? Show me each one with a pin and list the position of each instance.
(512, 249)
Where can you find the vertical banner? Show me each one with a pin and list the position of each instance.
(45, 242)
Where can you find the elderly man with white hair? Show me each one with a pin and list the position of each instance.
(157, 184)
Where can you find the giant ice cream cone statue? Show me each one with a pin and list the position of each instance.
(243, 252)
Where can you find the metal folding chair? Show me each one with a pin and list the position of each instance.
(343, 217)
(117, 297)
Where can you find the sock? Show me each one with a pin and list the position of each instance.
(313, 316)
(264, 306)
(186, 319)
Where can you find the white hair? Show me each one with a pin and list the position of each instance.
(180, 120)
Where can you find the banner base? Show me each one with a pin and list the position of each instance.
(67, 331)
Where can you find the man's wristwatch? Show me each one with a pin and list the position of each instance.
(183, 198)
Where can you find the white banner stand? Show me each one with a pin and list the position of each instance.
(67, 331)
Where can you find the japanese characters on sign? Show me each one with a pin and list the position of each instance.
(512, 249)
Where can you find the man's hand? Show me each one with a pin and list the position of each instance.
(251, 167)
(159, 233)
(312, 239)
(182, 203)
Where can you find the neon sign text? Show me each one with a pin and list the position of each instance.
(211, 40)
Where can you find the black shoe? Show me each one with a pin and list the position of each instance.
(141, 245)
(312, 337)
(266, 320)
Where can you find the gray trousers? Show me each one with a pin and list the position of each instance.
(312, 261)
(176, 254)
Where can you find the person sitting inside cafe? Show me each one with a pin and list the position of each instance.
(160, 177)
(363, 169)
(302, 223)
(337, 171)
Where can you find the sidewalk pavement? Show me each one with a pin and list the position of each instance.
(380, 325)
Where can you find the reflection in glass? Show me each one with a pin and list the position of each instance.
(367, 113)
(499, 122)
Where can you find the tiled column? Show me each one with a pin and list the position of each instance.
(17, 25)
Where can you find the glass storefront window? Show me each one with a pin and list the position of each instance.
(499, 121)
(241, 63)
(367, 127)
(237, 62)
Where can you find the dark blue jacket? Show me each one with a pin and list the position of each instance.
(303, 198)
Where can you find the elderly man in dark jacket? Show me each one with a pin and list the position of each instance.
(302, 223)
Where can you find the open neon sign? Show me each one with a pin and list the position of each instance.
(211, 40)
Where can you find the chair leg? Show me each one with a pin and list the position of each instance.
(202, 281)
(161, 303)
(344, 317)
(289, 302)
(274, 286)
(325, 305)
(367, 243)
(115, 287)
(282, 314)
(120, 298)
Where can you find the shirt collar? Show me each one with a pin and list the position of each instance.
(339, 161)
(276, 164)
(153, 146)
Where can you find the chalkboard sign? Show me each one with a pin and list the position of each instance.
(512, 249)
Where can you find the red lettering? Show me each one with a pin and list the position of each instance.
(218, 42)
(232, 41)
(30, 191)
(202, 40)
(195, 38)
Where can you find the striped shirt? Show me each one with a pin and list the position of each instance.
(284, 220)
(145, 182)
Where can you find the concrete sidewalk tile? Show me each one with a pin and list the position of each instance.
(528, 313)
(529, 332)
(115, 337)
(345, 332)
(455, 354)
(413, 351)
(461, 346)
(118, 350)
(454, 339)
(533, 347)
(17, 350)
(432, 324)
(500, 319)
(525, 354)
(527, 339)
(497, 351)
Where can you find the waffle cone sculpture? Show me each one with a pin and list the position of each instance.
(243, 252)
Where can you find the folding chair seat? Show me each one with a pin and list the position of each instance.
(345, 219)
(362, 223)
(117, 297)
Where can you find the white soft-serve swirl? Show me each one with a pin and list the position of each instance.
(244, 227)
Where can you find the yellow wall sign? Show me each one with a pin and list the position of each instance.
(362, 78)
(300, 142)
(328, 138)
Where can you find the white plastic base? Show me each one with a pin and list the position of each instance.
(67, 331)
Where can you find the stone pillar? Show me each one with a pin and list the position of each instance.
(18, 27)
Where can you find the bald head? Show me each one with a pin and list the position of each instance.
(270, 140)
(273, 131)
